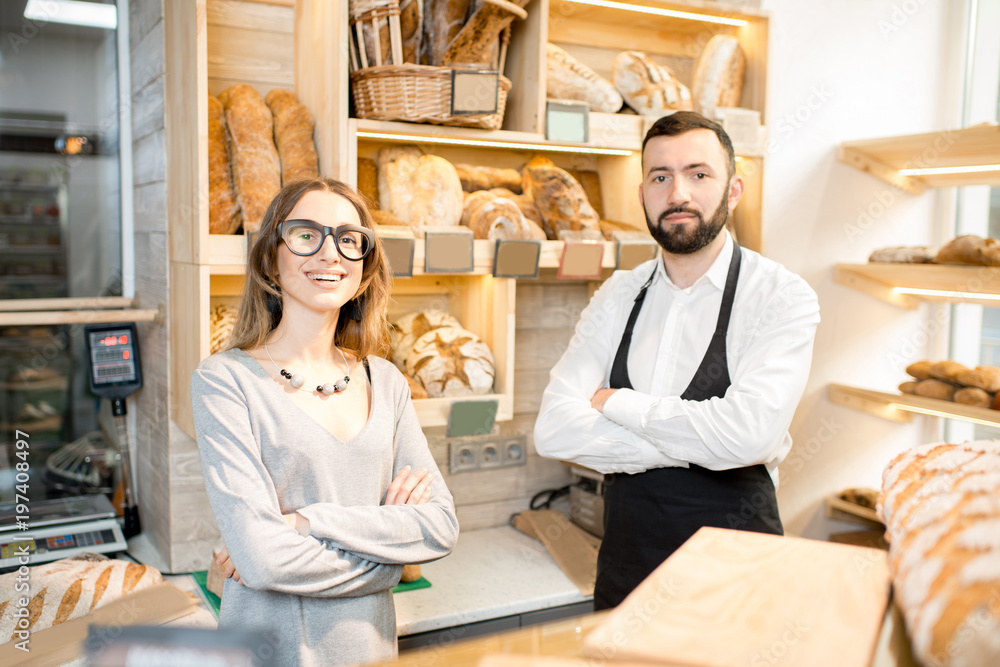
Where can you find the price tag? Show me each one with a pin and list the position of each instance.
(474, 92)
(516, 259)
(398, 245)
(449, 250)
(582, 257)
(633, 248)
(472, 418)
(567, 121)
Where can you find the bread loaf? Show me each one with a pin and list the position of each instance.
(970, 249)
(941, 507)
(223, 210)
(70, 588)
(973, 396)
(368, 181)
(407, 329)
(561, 201)
(590, 181)
(651, 89)
(569, 79)
(485, 178)
(902, 255)
(477, 41)
(450, 361)
(293, 136)
(410, 574)
(498, 218)
(920, 369)
(908, 387)
(443, 19)
(411, 22)
(718, 77)
(254, 159)
(417, 390)
(526, 204)
(986, 378)
(947, 370)
(385, 218)
(419, 189)
(222, 319)
(935, 389)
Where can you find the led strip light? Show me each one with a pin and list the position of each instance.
(493, 144)
(707, 18)
(934, 171)
(940, 413)
(916, 291)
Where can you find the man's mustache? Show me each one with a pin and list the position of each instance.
(678, 209)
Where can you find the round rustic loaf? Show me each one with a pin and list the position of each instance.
(718, 78)
(560, 198)
(450, 361)
(407, 329)
(569, 79)
(649, 88)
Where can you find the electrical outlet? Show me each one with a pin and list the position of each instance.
(486, 453)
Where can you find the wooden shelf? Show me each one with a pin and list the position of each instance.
(953, 284)
(900, 407)
(971, 147)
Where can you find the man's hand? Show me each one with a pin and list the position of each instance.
(600, 398)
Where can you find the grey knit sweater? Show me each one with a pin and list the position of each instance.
(325, 597)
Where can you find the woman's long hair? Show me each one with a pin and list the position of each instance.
(260, 305)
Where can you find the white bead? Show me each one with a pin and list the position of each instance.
(297, 381)
(328, 388)
(340, 385)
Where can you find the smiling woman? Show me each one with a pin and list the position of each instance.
(309, 440)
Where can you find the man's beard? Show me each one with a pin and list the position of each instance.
(677, 239)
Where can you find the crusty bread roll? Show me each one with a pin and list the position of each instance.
(450, 361)
(485, 178)
(986, 378)
(935, 389)
(443, 19)
(498, 218)
(973, 396)
(718, 77)
(254, 158)
(410, 574)
(407, 329)
(70, 588)
(650, 89)
(569, 79)
(419, 189)
(561, 201)
(909, 387)
(902, 255)
(920, 369)
(941, 507)
(293, 136)
(947, 370)
(526, 204)
(223, 209)
(472, 202)
(970, 249)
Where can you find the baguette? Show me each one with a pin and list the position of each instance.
(293, 136)
(223, 209)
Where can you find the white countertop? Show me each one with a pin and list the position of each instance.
(492, 573)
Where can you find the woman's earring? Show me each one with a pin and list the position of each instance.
(354, 309)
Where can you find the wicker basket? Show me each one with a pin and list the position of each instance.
(404, 91)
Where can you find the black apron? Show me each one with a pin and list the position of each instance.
(647, 516)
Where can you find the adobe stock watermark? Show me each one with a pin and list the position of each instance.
(900, 15)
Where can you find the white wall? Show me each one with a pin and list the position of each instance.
(841, 71)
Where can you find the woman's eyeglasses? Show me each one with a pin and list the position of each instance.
(305, 237)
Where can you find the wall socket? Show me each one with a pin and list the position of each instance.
(486, 453)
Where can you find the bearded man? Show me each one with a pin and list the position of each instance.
(683, 374)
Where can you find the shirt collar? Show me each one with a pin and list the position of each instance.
(716, 274)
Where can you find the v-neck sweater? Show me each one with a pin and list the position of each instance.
(325, 598)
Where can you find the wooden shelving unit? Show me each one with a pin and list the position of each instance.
(901, 407)
(976, 146)
(905, 285)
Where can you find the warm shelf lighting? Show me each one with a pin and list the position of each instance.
(936, 171)
(493, 144)
(916, 291)
(947, 415)
(72, 12)
(707, 18)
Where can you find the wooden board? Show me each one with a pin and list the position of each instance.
(729, 598)
(853, 511)
(569, 546)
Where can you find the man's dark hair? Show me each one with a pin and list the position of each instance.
(681, 122)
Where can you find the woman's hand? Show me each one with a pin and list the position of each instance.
(409, 488)
(227, 566)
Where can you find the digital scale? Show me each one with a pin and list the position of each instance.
(59, 528)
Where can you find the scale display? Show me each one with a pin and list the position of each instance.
(114, 360)
(41, 545)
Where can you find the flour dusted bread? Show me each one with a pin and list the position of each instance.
(941, 507)
(443, 19)
(450, 361)
(718, 77)
(70, 588)
(569, 79)
(408, 328)
(419, 189)
(223, 209)
(293, 136)
(970, 249)
(477, 42)
(561, 201)
(902, 255)
(647, 87)
(253, 156)
(499, 218)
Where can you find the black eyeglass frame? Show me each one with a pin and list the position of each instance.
(328, 231)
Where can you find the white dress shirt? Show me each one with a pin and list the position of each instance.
(769, 348)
